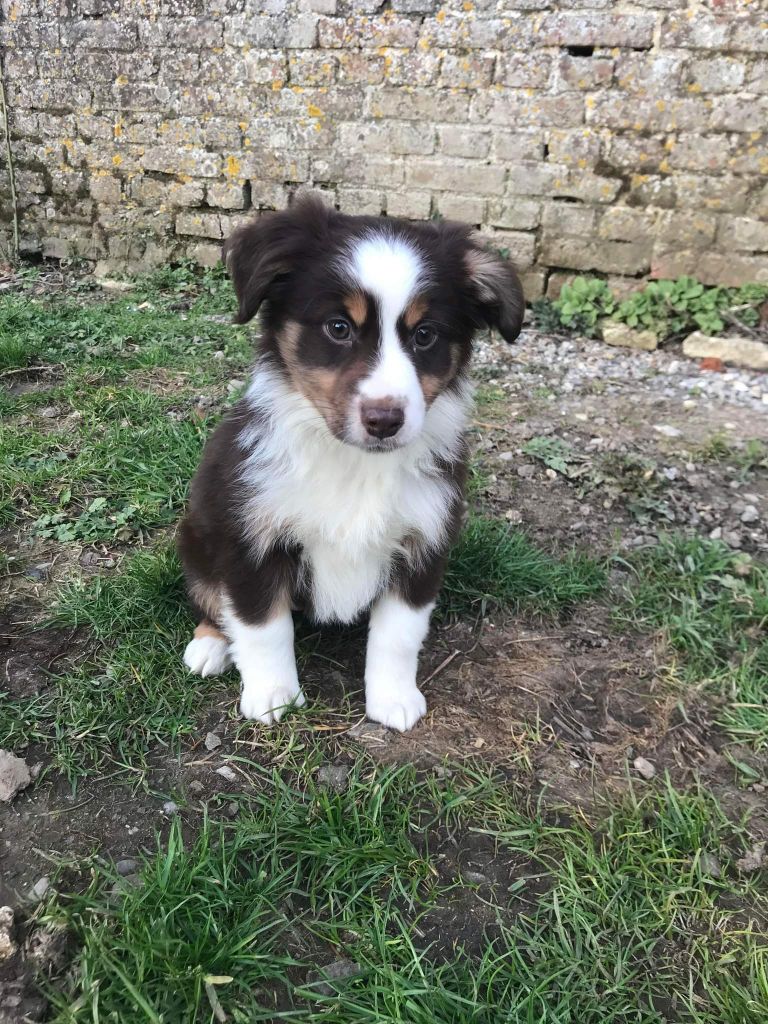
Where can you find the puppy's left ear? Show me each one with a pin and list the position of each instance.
(498, 289)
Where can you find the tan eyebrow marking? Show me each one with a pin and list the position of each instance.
(414, 312)
(357, 307)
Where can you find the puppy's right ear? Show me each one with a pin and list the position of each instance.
(258, 254)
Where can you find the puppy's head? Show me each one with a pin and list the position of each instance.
(370, 319)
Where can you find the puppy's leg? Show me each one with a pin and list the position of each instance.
(207, 653)
(396, 633)
(264, 655)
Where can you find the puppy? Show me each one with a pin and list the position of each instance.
(335, 486)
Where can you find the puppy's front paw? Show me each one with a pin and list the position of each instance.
(207, 655)
(399, 710)
(267, 703)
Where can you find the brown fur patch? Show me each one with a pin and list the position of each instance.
(206, 597)
(415, 312)
(357, 307)
(432, 384)
(206, 628)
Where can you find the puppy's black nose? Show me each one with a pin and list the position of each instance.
(381, 419)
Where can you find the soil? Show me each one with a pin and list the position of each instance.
(562, 709)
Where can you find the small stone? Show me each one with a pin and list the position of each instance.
(218, 354)
(335, 777)
(109, 284)
(196, 786)
(14, 775)
(49, 412)
(233, 809)
(750, 514)
(212, 741)
(46, 947)
(716, 534)
(474, 877)
(513, 515)
(506, 456)
(732, 538)
(615, 333)
(710, 865)
(336, 971)
(40, 888)
(226, 773)
(126, 866)
(526, 472)
(753, 860)
(170, 807)
(667, 430)
(7, 945)
(758, 787)
(644, 767)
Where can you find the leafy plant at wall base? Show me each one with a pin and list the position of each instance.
(583, 303)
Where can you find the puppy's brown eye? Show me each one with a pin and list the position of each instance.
(338, 329)
(424, 336)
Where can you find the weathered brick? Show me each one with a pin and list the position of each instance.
(517, 214)
(265, 31)
(525, 70)
(205, 254)
(614, 110)
(520, 108)
(695, 152)
(455, 176)
(715, 74)
(360, 67)
(460, 141)
(734, 113)
(696, 30)
(757, 77)
(743, 234)
(412, 205)
(192, 161)
(647, 75)
(535, 179)
(711, 267)
(652, 190)
(206, 225)
(469, 209)
(596, 29)
(181, 32)
(638, 153)
(467, 70)
(568, 219)
(398, 137)
(519, 247)
(411, 67)
(591, 254)
(517, 146)
(626, 224)
(457, 31)
(98, 34)
(749, 34)
(311, 67)
(157, 192)
(683, 230)
(228, 195)
(758, 203)
(358, 170)
(366, 33)
(266, 67)
(419, 105)
(579, 148)
(724, 192)
(105, 188)
(589, 187)
(360, 201)
(583, 72)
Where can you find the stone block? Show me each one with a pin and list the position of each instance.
(619, 334)
(411, 205)
(360, 67)
(591, 254)
(430, 105)
(205, 225)
(519, 247)
(715, 74)
(521, 107)
(535, 179)
(228, 195)
(411, 67)
(583, 72)
(518, 146)
(743, 234)
(105, 188)
(696, 31)
(593, 28)
(569, 219)
(310, 67)
(525, 70)
(456, 140)
(455, 175)
(99, 34)
(627, 224)
(733, 351)
(469, 209)
(265, 31)
(364, 201)
(517, 214)
(366, 33)
(192, 161)
(467, 70)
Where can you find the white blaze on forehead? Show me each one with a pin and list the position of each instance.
(391, 270)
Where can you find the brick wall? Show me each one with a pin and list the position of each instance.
(581, 135)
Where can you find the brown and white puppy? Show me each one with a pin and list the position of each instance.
(336, 484)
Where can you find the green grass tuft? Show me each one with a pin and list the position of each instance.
(493, 567)
(712, 605)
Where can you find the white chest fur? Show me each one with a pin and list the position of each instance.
(348, 509)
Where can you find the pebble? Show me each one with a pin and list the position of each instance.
(710, 865)
(526, 472)
(7, 944)
(14, 775)
(212, 741)
(126, 866)
(334, 776)
(336, 971)
(644, 767)
(196, 786)
(226, 773)
(667, 430)
(506, 456)
(750, 515)
(40, 888)
(753, 859)
(170, 807)
(474, 877)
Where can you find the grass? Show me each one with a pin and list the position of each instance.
(495, 568)
(626, 922)
(712, 606)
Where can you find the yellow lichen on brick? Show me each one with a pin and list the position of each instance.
(314, 111)
(232, 166)
(117, 159)
(440, 16)
(664, 166)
